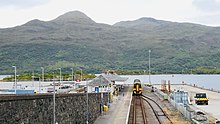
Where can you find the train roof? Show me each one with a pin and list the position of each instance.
(137, 80)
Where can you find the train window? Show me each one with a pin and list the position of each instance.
(201, 95)
(139, 85)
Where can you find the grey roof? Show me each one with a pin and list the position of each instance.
(114, 77)
(106, 80)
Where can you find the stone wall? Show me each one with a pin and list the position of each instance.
(38, 109)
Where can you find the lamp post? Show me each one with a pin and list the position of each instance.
(60, 74)
(39, 84)
(33, 79)
(54, 103)
(144, 75)
(149, 66)
(42, 74)
(42, 77)
(15, 79)
(72, 73)
(87, 103)
(81, 75)
(109, 90)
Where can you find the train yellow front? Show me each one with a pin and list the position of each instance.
(137, 88)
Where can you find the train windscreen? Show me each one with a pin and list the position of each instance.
(139, 85)
(137, 80)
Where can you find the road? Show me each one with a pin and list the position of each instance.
(214, 99)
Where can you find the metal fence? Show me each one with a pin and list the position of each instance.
(184, 109)
(180, 101)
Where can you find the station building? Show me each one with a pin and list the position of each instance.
(106, 83)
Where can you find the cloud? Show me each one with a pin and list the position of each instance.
(210, 20)
(207, 5)
(22, 3)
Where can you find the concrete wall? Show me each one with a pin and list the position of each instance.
(38, 109)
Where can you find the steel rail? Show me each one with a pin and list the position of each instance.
(155, 113)
(143, 111)
(145, 99)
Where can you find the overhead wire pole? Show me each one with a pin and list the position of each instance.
(149, 66)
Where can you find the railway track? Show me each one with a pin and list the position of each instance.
(138, 114)
(161, 116)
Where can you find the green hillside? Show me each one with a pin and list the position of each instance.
(75, 40)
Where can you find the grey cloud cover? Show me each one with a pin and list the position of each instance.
(207, 5)
(22, 3)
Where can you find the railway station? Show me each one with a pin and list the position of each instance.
(112, 99)
(110, 62)
(156, 107)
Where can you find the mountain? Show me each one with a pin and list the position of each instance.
(75, 40)
(74, 17)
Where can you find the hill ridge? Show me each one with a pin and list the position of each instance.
(74, 39)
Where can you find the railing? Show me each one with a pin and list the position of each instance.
(184, 109)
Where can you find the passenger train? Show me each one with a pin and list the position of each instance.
(137, 88)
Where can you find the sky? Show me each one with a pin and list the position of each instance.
(18, 12)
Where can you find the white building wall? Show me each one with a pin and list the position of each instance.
(119, 82)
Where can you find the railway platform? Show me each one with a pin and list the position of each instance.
(118, 111)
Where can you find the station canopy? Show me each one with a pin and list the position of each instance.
(106, 79)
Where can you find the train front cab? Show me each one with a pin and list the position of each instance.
(137, 89)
